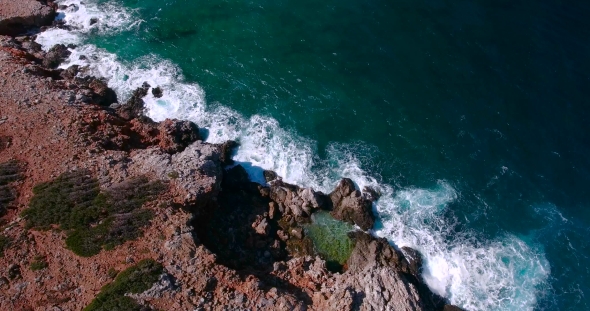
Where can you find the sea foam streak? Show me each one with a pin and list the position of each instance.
(503, 274)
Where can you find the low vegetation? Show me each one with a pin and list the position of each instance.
(4, 244)
(134, 280)
(39, 263)
(9, 172)
(112, 273)
(93, 219)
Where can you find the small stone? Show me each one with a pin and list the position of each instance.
(13, 271)
(269, 175)
(157, 92)
(272, 210)
(262, 227)
(282, 235)
(297, 233)
(3, 282)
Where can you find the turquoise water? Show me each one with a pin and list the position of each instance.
(468, 115)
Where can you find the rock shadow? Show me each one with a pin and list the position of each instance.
(240, 231)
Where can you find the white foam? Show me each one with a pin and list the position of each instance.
(85, 18)
(502, 274)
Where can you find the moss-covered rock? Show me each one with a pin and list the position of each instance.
(133, 280)
(93, 219)
(330, 239)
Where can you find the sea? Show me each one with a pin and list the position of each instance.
(470, 117)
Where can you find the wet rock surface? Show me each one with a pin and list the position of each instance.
(55, 56)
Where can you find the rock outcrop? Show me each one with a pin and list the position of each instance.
(55, 56)
(294, 200)
(350, 205)
(18, 16)
(195, 174)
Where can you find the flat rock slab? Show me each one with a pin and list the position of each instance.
(17, 16)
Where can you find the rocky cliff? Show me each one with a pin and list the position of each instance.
(104, 209)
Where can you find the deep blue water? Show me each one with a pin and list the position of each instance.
(473, 113)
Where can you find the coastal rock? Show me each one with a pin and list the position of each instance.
(71, 72)
(157, 92)
(414, 259)
(296, 201)
(55, 56)
(223, 243)
(350, 205)
(195, 173)
(269, 175)
(227, 148)
(134, 107)
(377, 279)
(103, 95)
(18, 16)
(175, 135)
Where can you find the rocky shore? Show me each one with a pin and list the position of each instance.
(104, 209)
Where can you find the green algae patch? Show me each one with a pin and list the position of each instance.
(93, 219)
(330, 239)
(134, 280)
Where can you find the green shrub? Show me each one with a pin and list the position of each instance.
(112, 273)
(4, 244)
(9, 172)
(39, 263)
(67, 201)
(93, 219)
(133, 280)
